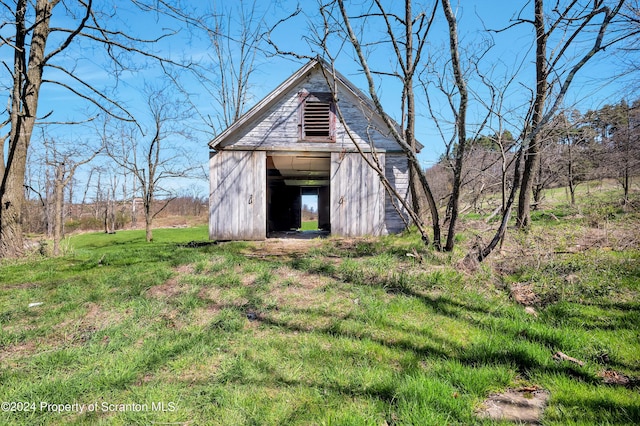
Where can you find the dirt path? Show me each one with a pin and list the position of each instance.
(283, 247)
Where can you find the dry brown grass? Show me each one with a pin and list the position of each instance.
(173, 286)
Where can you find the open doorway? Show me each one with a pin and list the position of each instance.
(298, 195)
(309, 207)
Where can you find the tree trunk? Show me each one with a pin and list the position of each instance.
(418, 194)
(532, 154)
(148, 221)
(461, 116)
(626, 178)
(572, 180)
(106, 218)
(538, 187)
(27, 78)
(58, 213)
(572, 191)
(148, 230)
(112, 216)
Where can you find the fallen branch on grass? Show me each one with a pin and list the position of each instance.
(559, 356)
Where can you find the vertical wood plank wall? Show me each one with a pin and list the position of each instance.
(357, 196)
(397, 172)
(237, 198)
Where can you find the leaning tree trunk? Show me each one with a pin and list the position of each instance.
(27, 79)
(498, 237)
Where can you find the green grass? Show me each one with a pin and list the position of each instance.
(350, 332)
(309, 225)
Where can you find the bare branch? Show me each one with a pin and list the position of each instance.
(128, 117)
(73, 33)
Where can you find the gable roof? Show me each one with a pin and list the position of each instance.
(284, 87)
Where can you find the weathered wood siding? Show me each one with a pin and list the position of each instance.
(357, 196)
(397, 172)
(359, 204)
(277, 128)
(237, 196)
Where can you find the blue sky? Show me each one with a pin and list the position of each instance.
(512, 47)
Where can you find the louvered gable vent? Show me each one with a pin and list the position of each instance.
(317, 117)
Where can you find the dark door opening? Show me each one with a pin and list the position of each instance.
(283, 207)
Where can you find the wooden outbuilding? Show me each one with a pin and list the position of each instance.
(292, 143)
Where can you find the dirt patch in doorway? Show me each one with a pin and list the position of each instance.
(288, 247)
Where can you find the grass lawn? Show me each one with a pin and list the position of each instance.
(339, 332)
(309, 225)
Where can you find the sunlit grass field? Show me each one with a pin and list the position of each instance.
(309, 225)
(338, 332)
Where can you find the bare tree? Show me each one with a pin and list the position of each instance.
(576, 144)
(629, 35)
(549, 171)
(156, 155)
(110, 201)
(33, 51)
(407, 43)
(460, 113)
(27, 79)
(236, 35)
(618, 128)
(35, 210)
(571, 24)
(104, 199)
(566, 27)
(505, 143)
(483, 171)
(64, 160)
(627, 147)
(235, 55)
(405, 33)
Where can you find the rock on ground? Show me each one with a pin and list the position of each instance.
(523, 406)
